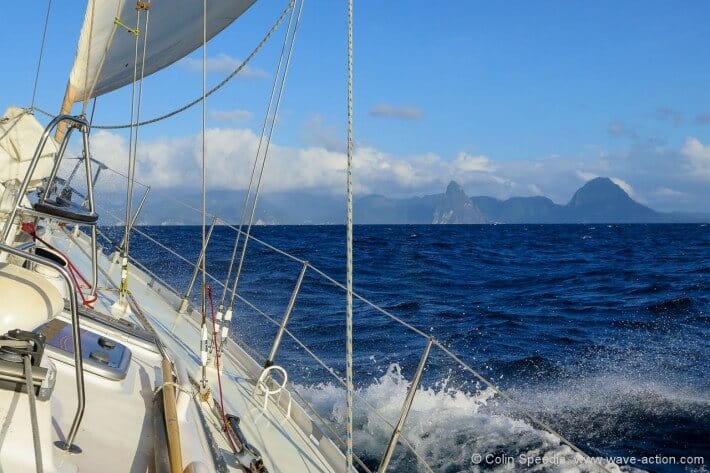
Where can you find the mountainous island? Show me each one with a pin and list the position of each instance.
(598, 201)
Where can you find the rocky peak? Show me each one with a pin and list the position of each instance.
(456, 207)
(598, 191)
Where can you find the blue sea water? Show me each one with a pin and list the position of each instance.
(602, 331)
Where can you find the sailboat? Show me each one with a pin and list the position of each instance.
(104, 366)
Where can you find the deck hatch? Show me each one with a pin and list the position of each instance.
(111, 363)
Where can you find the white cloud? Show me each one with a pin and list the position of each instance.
(585, 176)
(668, 192)
(624, 185)
(467, 163)
(385, 110)
(169, 162)
(588, 176)
(698, 156)
(230, 115)
(534, 189)
(224, 63)
(318, 134)
(320, 167)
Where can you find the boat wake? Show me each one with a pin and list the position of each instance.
(455, 430)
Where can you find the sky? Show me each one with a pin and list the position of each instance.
(507, 98)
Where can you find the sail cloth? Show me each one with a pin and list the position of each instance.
(19, 134)
(105, 54)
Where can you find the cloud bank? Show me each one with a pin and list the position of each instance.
(665, 178)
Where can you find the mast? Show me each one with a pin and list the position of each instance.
(67, 102)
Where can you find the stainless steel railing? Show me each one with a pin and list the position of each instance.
(81, 123)
(68, 443)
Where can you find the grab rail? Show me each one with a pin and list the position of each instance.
(33, 165)
(83, 124)
(68, 444)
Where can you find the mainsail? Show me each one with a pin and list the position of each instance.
(106, 50)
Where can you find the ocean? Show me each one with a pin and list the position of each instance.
(601, 331)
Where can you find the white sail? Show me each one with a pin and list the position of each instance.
(105, 54)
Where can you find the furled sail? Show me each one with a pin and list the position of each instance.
(105, 54)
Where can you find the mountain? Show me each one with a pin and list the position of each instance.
(602, 201)
(598, 201)
(456, 207)
(519, 209)
(378, 209)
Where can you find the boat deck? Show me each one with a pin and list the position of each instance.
(121, 410)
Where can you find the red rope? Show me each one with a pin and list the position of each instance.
(219, 374)
(31, 230)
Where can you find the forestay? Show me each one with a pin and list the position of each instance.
(105, 53)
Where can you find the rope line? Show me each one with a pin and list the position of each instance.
(203, 252)
(272, 127)
(133, 146)
(349, 251)
(214, 89)
(74, 272)
(41, 54)
(134, 31)
(225, 429)
(254, 166)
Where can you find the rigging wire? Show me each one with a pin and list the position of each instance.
(204, 200)
(225, 316)
(214, 89)
(133, 140)
(129, 189)
(272, 127)
(41, 55)
(256, 162)
(349, 253)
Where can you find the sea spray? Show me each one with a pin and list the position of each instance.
(446, 426)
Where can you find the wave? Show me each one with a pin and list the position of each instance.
(404, 306)
(448, 426)
(675, 305)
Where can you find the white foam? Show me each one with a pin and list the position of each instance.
(446, 426)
